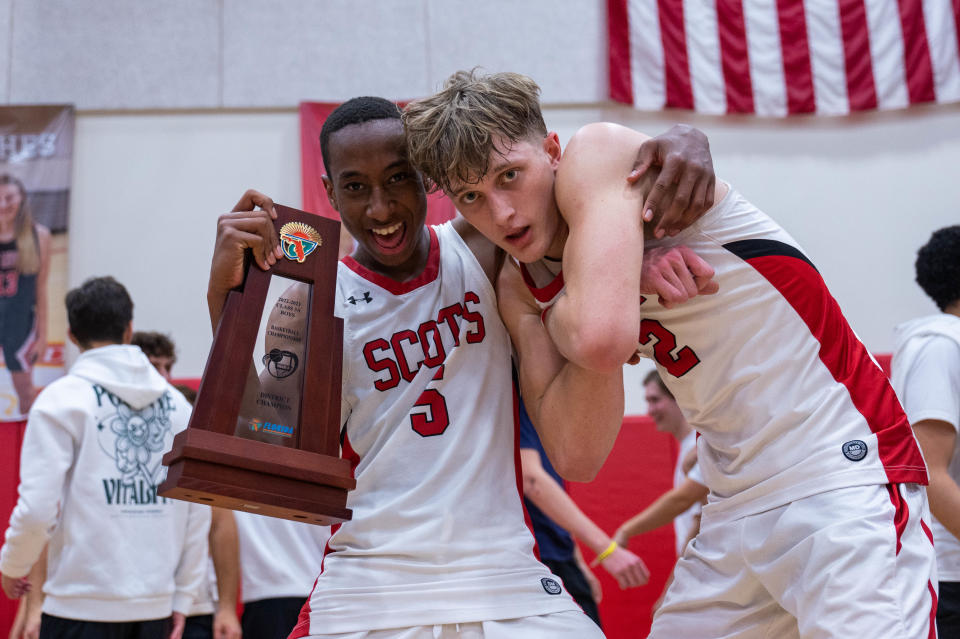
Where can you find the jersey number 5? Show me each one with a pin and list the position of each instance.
(677, 365)
(433, 420)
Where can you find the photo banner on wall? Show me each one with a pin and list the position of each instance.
(36, 151)
(312, 116)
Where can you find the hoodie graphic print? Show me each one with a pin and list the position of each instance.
(91, 463)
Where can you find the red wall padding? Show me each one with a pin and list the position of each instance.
(11, 436)
(639, 470)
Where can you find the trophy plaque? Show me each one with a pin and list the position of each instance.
(264, 436)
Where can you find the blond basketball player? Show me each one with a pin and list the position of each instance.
(437, 546)
(817, 525)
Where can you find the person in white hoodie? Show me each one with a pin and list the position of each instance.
(925, 373)
(123, 562)
(279, 563)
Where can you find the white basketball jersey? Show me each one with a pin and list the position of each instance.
(438, 533)
(787, 399)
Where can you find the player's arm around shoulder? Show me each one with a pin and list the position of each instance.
(577, 412)
(597, 321)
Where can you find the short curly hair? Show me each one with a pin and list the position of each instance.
(154, 344)
(451, 135)
(938, 266)
(354, 111)
(99, 310)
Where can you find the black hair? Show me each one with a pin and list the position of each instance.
(154, 344)
(99, 310)
(938, 266)
(354, 111)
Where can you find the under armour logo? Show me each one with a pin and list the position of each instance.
(366, 298)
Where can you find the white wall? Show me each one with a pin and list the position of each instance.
(188, 54)
(860, 194)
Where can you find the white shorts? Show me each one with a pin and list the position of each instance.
(557, 625)
(851, 562)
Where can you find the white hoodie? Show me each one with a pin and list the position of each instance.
(89, 468)
(925, 373)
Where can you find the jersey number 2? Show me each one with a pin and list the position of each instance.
(677, 365)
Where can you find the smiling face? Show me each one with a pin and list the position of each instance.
(380, 197)
(513, 203)
(663, 409)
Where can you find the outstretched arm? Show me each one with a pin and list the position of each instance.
(662, 511)
(540, 488)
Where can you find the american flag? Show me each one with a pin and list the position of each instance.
(783, 57)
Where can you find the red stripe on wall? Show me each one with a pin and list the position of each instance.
(797, 73)
(11, 439)
(735, 59)
(861, 89)
(916, 52)
(676, 65)
(618, 31)
(849, 362)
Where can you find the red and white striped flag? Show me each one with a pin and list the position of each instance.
(780, 57)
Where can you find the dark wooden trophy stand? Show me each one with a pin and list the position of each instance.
(239, 455)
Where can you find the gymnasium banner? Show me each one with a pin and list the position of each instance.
(826, 57)
(312, 116)
(36, 151)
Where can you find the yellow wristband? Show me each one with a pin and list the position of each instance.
(606, 553)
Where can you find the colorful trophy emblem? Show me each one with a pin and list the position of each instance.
(298, 240)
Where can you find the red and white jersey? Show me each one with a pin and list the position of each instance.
(787, 399)
(438, 533)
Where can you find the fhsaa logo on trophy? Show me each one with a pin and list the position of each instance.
(298, 240)
(260, 426)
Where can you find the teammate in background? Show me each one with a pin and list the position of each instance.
(926, 375)
(811, 462)
(159, 349)
(433, 548)
(214, 611)
(279, 560)
(555, 517)
(122, 560)
(24, 270)
(681, 504)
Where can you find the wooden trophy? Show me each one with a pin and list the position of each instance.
(264, 434)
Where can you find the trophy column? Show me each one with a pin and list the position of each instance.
(264, 434)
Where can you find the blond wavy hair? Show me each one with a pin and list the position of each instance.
(451, 135)
(28, 252)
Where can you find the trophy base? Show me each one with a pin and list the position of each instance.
(241, 474)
